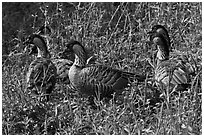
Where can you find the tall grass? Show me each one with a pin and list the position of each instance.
(117, 34)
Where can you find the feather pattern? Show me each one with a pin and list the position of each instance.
(168, 71)
(41, 76)
(63, 62)
(97, 80)
(63, 66)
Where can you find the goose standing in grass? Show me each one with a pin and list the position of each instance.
(41, 76)
(96, 80)
(171, 72)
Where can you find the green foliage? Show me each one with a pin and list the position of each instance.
(117, 34)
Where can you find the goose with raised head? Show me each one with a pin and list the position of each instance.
(41, 76)
(173, 54)
(172, 72)
(96, 80)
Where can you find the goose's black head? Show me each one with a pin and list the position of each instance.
(38, 43)
(162, 45)
(31, 39)
(75, 47)
(79, 50)
(159, 29)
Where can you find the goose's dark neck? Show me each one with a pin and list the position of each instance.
(42, 48)
(80, 53)
(161, 56)
(79, 61)
(162, 48)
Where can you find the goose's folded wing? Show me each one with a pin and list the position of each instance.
(171, 70)
(107, 76)
(41, 72)
(63, 66)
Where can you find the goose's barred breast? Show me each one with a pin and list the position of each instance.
(41, 76)
(170, 70)
(62, 66)
(104, 80)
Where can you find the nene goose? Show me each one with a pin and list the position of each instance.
(62, 62)
(41, 76)
(174, 72)
(62, 66)
(181, 57)
(96, 80)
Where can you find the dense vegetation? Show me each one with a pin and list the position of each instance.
(117, 32)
